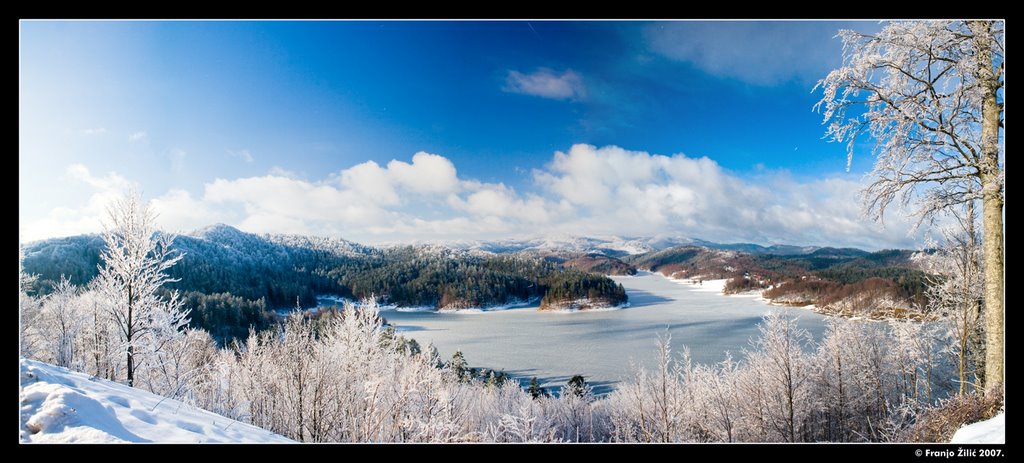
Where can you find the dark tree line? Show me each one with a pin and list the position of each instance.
(226, 316)
(572, 285)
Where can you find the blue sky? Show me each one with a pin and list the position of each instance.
(393, 131)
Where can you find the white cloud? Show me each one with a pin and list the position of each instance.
(429, 174)
(137, 136)
(631, 192)
(66, 221)
(93, 131)
(372, 181)
(545, 83)
(584, 191)
(496, 202)
(110, 182)
(178, 211)
(244, 155)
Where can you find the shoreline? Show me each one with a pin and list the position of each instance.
(573, 309)
(718, 286)
(533, 304)
(491, 308)
(340, 302)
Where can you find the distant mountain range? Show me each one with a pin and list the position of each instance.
(230, 237)
(231, 278)
(236, 255)
(615, 246)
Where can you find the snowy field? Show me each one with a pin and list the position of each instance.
(59, 406)
(601, 344)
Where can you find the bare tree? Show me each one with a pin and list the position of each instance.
(134, 267)
(955, 287)
(62, 321)
(98, 334)
(783, 367)
(930, 93)
(28, 309)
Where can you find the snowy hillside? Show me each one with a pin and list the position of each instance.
(611, 245)
(335, 246)
(58, 405)
(991, 431)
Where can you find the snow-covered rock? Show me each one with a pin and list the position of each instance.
(61, 406)
(991, 431)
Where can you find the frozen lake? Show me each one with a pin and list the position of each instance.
(603, 345)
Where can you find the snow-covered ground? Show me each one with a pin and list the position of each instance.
(61, 406)
(706, 286)
(991, 431)
(422, 308)
(717, 286)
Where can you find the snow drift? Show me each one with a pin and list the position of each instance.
(991, 431)
(61, 406)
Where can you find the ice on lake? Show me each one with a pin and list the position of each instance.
(603, 345)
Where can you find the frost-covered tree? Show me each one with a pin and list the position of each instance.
(134, 266)
(28, 309)
(62, 319)
(783, 370)
(835, 383)
(178, 363)
(954, 292)
(720, 398)
(99, 338)
(575, 411)
(658, 405)
(930, 93)
(458, 367)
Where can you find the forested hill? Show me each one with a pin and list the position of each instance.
(218, 259)
(844, 281)
(231, 278)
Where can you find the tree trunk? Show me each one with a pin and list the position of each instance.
(994, 328)
(976, 333)
(131, 365)
(992, 201)
(128, 335)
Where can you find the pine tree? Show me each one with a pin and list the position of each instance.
(576, 386)
(458, 366)
(534, 389)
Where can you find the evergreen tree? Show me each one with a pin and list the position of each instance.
(576, 386)
(534, 389)
(458, 366)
